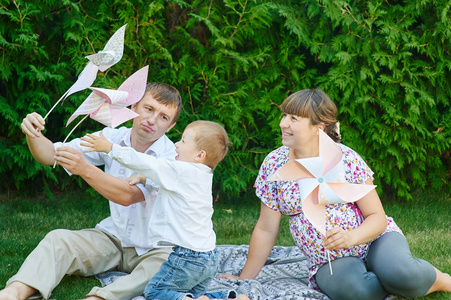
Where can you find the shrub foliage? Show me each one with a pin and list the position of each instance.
(386, 65)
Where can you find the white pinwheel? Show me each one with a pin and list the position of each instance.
(109, 107)
(110, 55)
(321, 181)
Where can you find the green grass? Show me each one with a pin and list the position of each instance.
(426, 223)
(25, 221)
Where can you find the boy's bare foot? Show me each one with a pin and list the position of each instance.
(16, 291)
(200, 298)
(242, 297)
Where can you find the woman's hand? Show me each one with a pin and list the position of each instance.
(374, 223)
(228, 276)
(337, 238)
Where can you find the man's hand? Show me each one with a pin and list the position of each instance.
(96, 143)
(71, 159)
(32, 125)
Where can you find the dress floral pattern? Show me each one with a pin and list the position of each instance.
(284, 196)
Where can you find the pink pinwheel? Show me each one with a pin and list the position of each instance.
(321, 181)
(110, 55)
(109, 106)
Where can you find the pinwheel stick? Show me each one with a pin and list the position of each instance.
(328, 252)
(54, 106)
(330, 266)
(54, 164)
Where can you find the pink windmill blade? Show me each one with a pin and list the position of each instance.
(106, 107)
(109, 107)
(321, 181)
(110, 55)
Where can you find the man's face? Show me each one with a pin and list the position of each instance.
(154, 120)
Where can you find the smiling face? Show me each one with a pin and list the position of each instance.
(154, 120)
(300, 135)
(304, 113)
(187, 149)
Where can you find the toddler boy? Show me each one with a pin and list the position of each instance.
(182, 210)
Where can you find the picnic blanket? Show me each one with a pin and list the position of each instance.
(283, 277)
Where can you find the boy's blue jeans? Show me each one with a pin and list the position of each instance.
(186, 273)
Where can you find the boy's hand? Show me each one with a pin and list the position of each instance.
(96, 143)
(132, 180)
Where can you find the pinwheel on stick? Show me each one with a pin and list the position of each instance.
(109, 107)
(321, 181)
(110, 55)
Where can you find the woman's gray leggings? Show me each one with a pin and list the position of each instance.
(390, 269)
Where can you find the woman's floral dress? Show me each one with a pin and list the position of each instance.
(283, 196)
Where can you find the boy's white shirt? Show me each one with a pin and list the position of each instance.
(128, 223)
(184, 206)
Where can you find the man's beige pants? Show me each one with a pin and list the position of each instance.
(86, 253)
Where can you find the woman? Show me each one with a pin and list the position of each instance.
(370, 257)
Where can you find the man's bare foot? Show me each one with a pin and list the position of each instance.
(91, 298)
(16, 291)
(6, 295)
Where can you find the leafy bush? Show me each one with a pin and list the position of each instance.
(385, 65)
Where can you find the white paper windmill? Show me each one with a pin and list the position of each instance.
(321, 181)
(109, 107)
(110, 55)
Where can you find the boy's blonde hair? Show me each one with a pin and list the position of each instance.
(212, 138)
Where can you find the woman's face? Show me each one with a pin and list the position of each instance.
(297, 131)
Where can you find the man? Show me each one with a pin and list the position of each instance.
(120, 241)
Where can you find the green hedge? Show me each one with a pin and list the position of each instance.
(385, 63)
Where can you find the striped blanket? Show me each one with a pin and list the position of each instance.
(284, 276)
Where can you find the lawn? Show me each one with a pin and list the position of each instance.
(26, 220)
